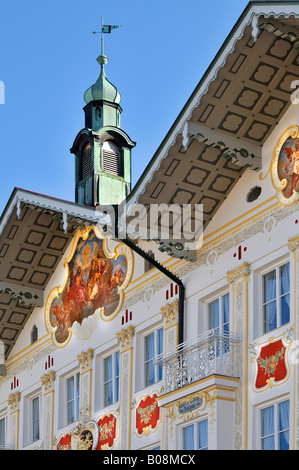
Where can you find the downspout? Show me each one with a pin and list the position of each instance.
(171, 276)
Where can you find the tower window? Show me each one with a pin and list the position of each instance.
(86, 163)
(110, 158)
(34, 334)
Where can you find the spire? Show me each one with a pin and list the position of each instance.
(102, 149)
(102, 89)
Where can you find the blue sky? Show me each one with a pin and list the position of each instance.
(48, 59)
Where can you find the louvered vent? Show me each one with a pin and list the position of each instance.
(87, 167)
(110, 158)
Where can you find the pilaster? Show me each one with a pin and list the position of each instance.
(170, 314)
(14, 403)
(293, 245)
(239, 278)
(85, 362)
(47, 381)
(125, 339)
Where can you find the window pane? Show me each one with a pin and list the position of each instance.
(108, 392)
(2, 431)
(225, 313)
(116, 389)
(35, 418)
(149, 353)
(285, 309)
(268, 443)
(116, 362)
(107, 368)
(77, 395)
(188, 437)
(149, 346)
(149, 373)
(269, 286)
(116, 372)
(214, 314)
(73, 397)
(267, 433)
(270, 316)
(160, 351)
(160, 341)
(202, 435)
(284, 278)
(70, 388)
(283, 425)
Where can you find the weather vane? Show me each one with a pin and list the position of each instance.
(105, 29)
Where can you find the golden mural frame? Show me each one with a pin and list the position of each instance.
(147, 430)
(257, 349)
(278, 184)
(113, 413)
(120, 249)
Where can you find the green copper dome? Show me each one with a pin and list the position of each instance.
(102, 89)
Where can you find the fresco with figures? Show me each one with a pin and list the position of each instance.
(288, 166)
(95, 278)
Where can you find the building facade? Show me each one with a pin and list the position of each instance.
(112, 342)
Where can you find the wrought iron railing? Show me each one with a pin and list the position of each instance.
(214, 352)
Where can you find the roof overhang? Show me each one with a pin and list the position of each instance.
(233, 110)
(35, 231)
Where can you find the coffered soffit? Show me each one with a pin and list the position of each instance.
(230, 115)
(35, 231)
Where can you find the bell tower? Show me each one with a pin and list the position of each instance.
(102, 149)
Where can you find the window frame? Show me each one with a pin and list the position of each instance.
(275, 267)
(115, 378)
(76, 399)
(213, 299)
(3, 417)
(28, 424)
(274, 403)
(116, 154)
(195, 424)
(158, 369)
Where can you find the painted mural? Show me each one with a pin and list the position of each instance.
(271, 365)
(284, 166)
(95, 281)
(147, 415)
(107, 432)
(288, 166)
(65, 442)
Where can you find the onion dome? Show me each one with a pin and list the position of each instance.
(102, 89)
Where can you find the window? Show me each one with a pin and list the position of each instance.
(86, 161)
(275, 427)
(111, 379)
(153, 346)
(72, 397)
(218, 314)
(195, 436)
(276, 297)
(34, 334)
(2, 432)
(110, 158)
(32, 417)
(147, 264)
(35, 418)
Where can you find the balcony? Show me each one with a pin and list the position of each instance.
(212, 353)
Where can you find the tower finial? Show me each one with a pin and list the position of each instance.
(102, 59)
(102, 40)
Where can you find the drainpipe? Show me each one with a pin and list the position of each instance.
(170, 275)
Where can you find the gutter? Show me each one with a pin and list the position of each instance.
(170, 275)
